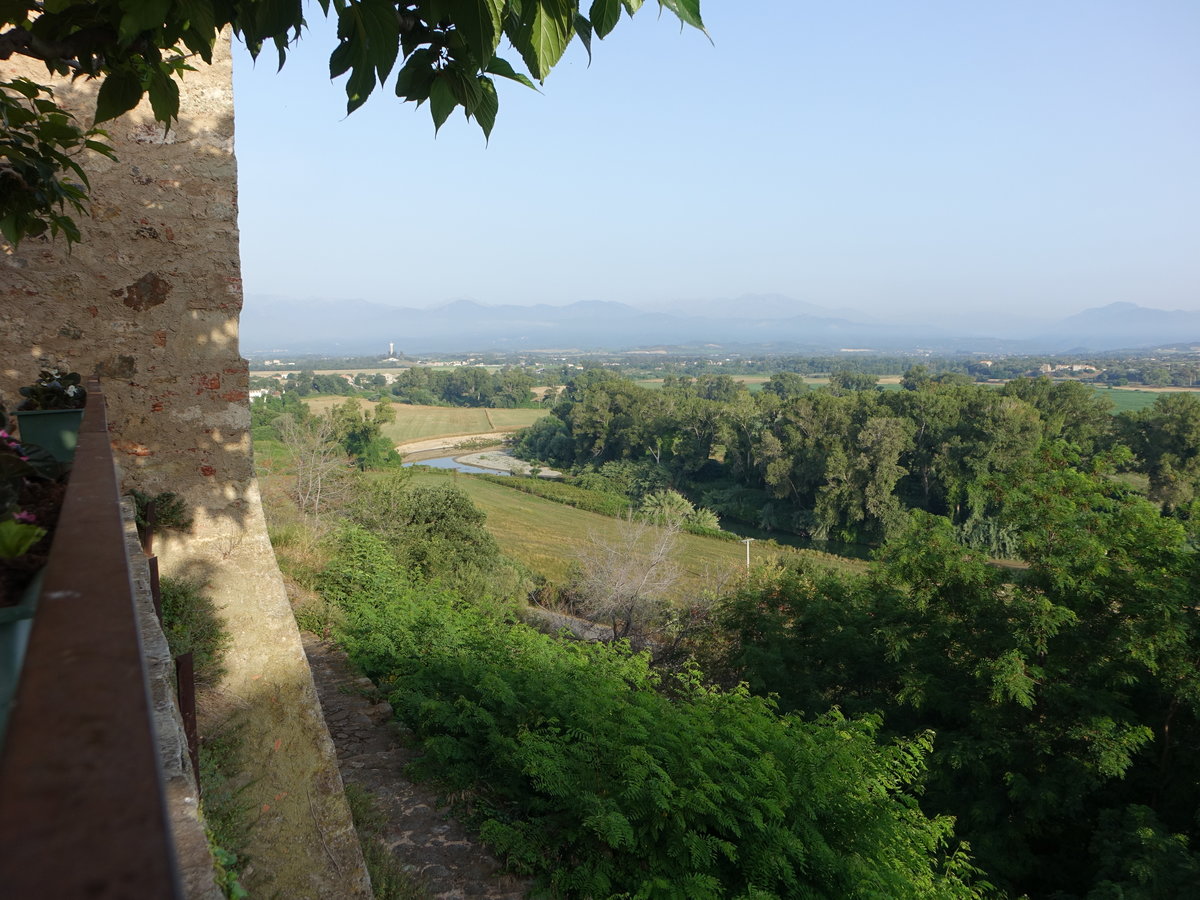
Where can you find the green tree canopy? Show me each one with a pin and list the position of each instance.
(1166, 438)
(1064, 700)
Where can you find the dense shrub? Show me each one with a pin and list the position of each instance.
(585, 770)
(438, 532)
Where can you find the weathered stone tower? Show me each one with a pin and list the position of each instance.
(149, 300)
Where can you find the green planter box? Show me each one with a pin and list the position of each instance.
(57, 430)
(15, 624)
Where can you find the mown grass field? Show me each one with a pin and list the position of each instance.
(545, 536)
(1128, 399)
(414, 423)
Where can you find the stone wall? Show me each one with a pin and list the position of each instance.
(149, 300)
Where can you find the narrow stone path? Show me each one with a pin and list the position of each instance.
(372, 750)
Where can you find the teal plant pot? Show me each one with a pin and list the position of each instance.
(16, 622)
(56, 430)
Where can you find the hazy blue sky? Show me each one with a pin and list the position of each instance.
(1039, 156)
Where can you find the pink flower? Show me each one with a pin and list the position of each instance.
(27, 518)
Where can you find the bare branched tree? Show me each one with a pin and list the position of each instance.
(320, 463)
(625, 581)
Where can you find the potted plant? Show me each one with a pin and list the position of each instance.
(50, 414)
(31, 493)
(17, 538)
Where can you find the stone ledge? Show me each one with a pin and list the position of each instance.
(182, 797)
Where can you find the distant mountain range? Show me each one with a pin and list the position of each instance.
(272, 325)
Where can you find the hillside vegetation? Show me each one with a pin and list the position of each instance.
(926, 725)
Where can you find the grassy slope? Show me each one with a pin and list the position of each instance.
(543, 535)
(416, 422)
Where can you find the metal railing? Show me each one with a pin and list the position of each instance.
(82, 810)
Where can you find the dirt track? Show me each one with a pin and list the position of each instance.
(428, 447)
(372, 749)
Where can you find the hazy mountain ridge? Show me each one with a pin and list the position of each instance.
(272, 324)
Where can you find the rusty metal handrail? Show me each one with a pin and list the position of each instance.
(82, 811)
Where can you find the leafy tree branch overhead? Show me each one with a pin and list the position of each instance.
(441, 51)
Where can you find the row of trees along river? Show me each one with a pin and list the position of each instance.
(849, 461)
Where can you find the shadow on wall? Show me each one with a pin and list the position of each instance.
(300, 842)
(149, 299)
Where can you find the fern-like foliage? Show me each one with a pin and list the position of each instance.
(589, 771)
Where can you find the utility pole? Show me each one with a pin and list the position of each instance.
(747, 542)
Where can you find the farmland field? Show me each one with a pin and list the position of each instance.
(416, 422)
(1127, 399)
(544, 536)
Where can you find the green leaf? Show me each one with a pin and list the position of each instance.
(687, 10)
(16, 538)
(253, 47)
(465, 85)
(196, 42)
(341, 59)
(58, 130)
(140, 16)
(479, 23)
(200, 30)
(101, 148)
(631, 6)
(164, 97)
(604, 15)
(487, 107)
(359, 86)
(24, 87)
(67, 226)
(281, 45)
(583, 28)
(441, 102)
(503, 68)
(272, 18)
(19, 117)
(542, 33)
(416, 76)
(370, 39)
(413, 40)
(381, 33)
(198, 15)
(8, 227)
(120, 92)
